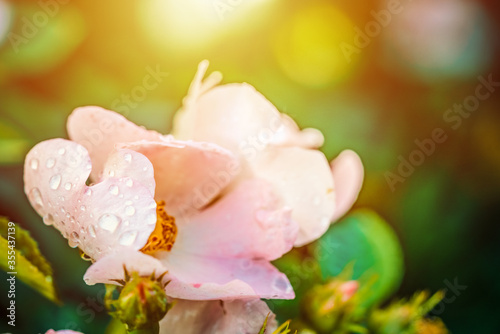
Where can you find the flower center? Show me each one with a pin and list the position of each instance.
(164, 234)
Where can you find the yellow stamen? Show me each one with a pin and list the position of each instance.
(164, 234)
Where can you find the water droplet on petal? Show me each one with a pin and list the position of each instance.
(145, 169)
(129, 183)
(109, 222)
(111, 173)
(68, 186)
(129, 210)
(127, 157)
(48, 219)
(61, 151)
(113, 190)
(74, 239)
(34, 164)
(151, 219)
(37, 197)
(281, 284)
(55, 181)
(245, 264)
(50, 163)
(128, 238)
(91, 229)
(88, 192)
(83, 208)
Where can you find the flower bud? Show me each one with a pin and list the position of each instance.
(140, 303)
(326, 305)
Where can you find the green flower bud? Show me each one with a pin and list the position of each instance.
(140, 303)
(327, 306)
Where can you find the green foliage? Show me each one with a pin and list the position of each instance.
(366, 241)
(407, 316)
(30, 265)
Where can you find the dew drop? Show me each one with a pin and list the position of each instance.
(281, 284)
(34, 164)
(245, 264)
(68, 186)
(91, 229)
(48, 219)
(111, 173)
(109, 222)
(74, 239)
(37, 197)
(145, 169)
(113, 190)
(128, 238)
(129, 183)
(127, 157)
(151, 219)
(129, 210)
(50, 163)
(83, 208)
(55, 181)
(128, 203)
(88, 192)
(61, 151)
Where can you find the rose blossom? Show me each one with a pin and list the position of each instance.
(204, 206)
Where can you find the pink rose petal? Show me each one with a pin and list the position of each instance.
(348, 174)
(109, 216)
(99, 130)
(188, 174)
(111, 267)
(208, 317)
(249, 222)
(203, 278)
(304, 180)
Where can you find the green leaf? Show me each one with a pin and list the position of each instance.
(365, 241)
(30, 265)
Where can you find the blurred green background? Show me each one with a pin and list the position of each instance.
(373, 76)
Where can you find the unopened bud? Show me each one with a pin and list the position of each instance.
(324, 304)
(140, 303)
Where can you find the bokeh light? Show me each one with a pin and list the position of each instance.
(439, 39)
(191, 25)
(307, 45)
